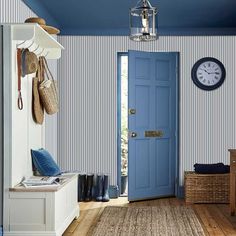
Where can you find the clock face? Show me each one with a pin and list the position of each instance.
(208, 73)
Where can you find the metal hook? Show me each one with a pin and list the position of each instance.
(46, 54)
(17, 45)
(36, 49)
(31, 44)
(41, 52)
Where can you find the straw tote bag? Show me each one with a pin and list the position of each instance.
(48, 90)
(37, 106)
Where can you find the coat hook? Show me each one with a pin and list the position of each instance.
(46, 54)
(36, 49)
(17, 45)
(41, 52)
(31, 44)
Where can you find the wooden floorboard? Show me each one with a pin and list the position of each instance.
(208, 221)
(215, 218)
(223, 223)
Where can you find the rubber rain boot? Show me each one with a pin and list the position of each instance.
(81, 183)
(99, 188)
(89, 187)
(105, 196)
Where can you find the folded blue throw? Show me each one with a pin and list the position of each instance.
(217, 168)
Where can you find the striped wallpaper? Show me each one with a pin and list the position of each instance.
(14, 11)
(87, 123)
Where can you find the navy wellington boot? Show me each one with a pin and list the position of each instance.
(99, 188)
(89, 187)
(105, 196)
(81, 183)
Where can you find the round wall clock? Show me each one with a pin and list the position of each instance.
(208, 73)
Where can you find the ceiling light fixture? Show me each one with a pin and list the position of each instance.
(143, 22)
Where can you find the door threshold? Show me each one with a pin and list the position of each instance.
(152, 198)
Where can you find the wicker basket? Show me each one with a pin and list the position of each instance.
(206, 188)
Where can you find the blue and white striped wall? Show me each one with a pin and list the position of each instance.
(87, 123)
(14, 11)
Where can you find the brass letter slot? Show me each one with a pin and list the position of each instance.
(153, 133)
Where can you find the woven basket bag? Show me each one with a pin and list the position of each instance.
(48, 90)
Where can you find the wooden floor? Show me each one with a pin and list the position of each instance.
(215, 218)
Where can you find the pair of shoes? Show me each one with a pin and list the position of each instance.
(85, 185)
(102, 188)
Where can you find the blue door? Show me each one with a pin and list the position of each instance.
(152, 101)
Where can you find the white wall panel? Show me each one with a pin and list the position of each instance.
(87, 124)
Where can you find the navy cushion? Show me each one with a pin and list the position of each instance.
(44, 162)
(217, 168)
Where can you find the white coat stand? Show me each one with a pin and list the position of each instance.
(37, 211)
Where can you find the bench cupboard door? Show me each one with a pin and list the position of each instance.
(66, 201)
(28, 211)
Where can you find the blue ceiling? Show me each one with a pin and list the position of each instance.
(110, 17)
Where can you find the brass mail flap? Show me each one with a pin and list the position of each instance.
(153, 133)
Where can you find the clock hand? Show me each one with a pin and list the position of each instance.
(205, 71)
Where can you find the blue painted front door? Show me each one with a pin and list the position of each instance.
(152, 99)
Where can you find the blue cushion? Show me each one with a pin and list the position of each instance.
(44, 162)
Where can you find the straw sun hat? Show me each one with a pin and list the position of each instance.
(42, 23)
(29, 62)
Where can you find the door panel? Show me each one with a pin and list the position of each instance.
(162, 108)
(152, 155)
(142, 68)
(162, 70)
(162, 162)
(142, 178)
(142, 106)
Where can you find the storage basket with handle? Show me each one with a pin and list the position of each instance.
(206, 188)
(48, 90)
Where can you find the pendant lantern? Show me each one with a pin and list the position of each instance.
(143, 22)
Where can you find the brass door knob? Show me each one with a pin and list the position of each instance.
(133, 134)
(132, 111)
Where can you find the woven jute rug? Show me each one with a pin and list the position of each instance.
(148, 221)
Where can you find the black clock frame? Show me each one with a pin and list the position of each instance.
(194, 74)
